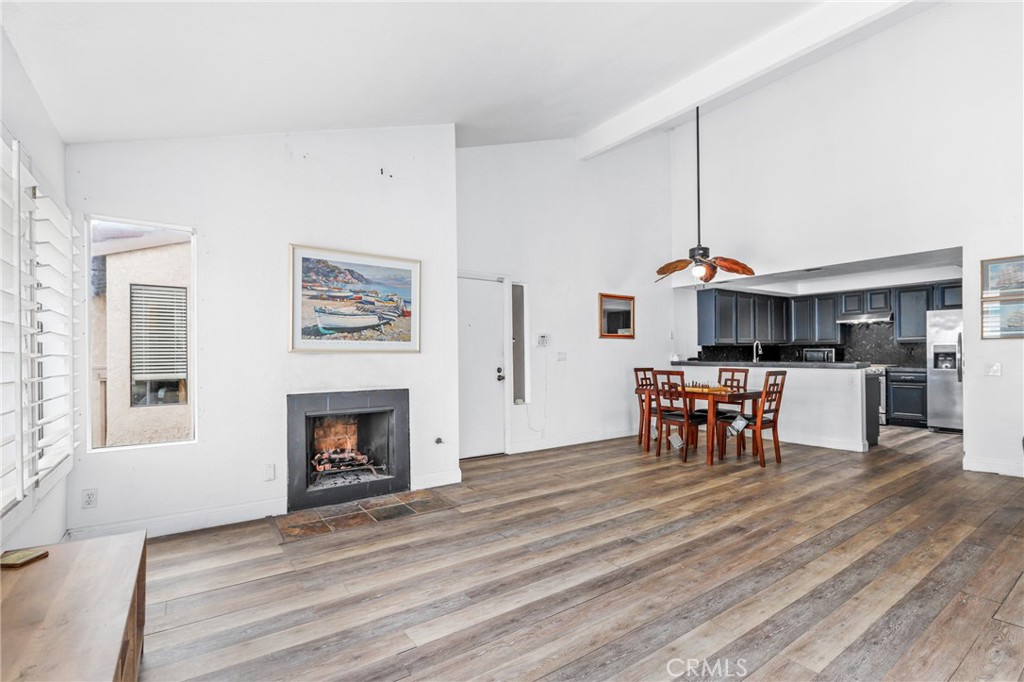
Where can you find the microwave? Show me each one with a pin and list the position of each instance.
(819, 354)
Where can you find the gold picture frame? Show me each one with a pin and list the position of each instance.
(348, 301)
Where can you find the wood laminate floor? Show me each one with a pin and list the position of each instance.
(598, 562)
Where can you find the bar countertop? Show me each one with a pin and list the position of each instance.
(773, 365)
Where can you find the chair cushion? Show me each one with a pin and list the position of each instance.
(754, 418)
(697, 419)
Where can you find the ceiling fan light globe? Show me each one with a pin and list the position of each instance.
(699, 270)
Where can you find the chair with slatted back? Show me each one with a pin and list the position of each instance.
(736, 379)
(644, 378)
(672, 408)
(765, 418)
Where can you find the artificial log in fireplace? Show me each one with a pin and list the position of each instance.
(346, 446)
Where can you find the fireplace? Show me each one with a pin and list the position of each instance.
(346, 446)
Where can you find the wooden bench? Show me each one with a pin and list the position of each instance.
(78, 614)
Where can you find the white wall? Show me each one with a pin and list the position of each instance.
(571, 230)
(908, 141)
(25, 116)
(248, 198)
(22, 112)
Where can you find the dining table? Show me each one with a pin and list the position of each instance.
(715, 395)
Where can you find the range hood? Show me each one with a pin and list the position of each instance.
(864, 318)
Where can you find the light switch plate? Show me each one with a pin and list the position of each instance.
(994, 369)
(562, 356)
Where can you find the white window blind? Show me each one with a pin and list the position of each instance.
(159, 332)
(40, 249)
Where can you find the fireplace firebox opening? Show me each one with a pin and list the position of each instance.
(347, 446)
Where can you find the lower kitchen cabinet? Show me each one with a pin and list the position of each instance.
(908, 404)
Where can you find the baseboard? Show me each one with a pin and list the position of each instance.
(817, 440)
(569, 439)
(179, 523)
(991, 465)
(436, 479)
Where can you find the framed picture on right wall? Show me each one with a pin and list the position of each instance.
(1002, 277)
(1002, 318)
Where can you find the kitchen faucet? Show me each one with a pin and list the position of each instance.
(758, 351)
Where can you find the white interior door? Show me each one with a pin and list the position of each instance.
(481, 363)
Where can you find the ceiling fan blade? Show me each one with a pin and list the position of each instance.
(710, 270)
(672, 267)
(732, 265)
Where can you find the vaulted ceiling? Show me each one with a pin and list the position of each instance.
(502, 72)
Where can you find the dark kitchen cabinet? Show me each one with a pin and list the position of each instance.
(813, 319)
(744, 318)
(763, 319)
(948, 295)
(878, 301)
(908, 404)
(852, 303)
(826, 326)
(802, 319)
(780, 319)
(912, 314)
(716, 317)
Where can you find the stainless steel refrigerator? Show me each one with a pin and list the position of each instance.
(945, 369)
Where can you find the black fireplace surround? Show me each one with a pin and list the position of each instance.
(388, 407)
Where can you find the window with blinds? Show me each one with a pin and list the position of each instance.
(40, 251)
(159, 344)
(141, 298)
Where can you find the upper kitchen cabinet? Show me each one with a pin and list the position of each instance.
(780, 319)
(862, 302)
(716, 317)
(802, 319)
(878, 301)
(948, 295)
(826, 326)
(912, 314)
(763, 319)
(852, 303)
(744, 318)
(814, 319)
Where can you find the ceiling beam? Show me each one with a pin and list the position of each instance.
(790, 45)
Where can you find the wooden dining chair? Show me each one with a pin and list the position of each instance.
(644, 378)
(672, 408)
(765, 418)
(736, 379)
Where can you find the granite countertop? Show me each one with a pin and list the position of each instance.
(774, 365)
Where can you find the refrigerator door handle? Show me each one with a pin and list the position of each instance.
(960, 357)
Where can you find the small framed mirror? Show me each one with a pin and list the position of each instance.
(616, 316)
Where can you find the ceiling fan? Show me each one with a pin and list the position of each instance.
(704, 267)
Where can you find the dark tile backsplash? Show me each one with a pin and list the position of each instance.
(872, 343)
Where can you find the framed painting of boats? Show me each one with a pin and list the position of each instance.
(345, 301)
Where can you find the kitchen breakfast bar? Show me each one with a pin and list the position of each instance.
(825, 404)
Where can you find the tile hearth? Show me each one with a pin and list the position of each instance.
(320, 520)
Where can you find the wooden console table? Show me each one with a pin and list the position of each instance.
(78, 614)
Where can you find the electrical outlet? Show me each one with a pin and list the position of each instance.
(994, 369)
(562, 356)
(269, 473)
(90, 498)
